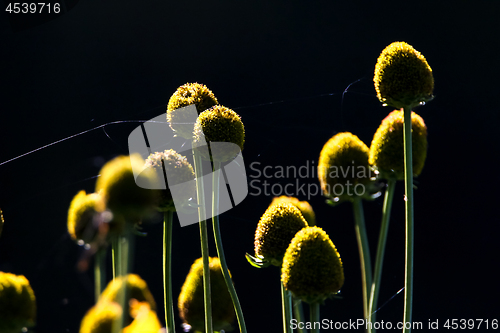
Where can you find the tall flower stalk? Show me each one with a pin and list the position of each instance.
(403, 79)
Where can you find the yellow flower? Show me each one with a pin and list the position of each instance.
(101, 318)
(191, 303)
(146, 320)
(312, 269)
(275, 230)
(179, 171)
(17, 303)
(304, 207)
(403, 78)
(219, 124)
(81, 213)
(135, 288)
(343, 168)
(121, 194)
(387, 148)
(188, 94)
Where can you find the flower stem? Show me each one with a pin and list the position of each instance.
(114, 254)
(314, 315)
(99, 272)
(299, 313)
(409, 218)
(167, 271)
(286, 303)
(220, 249)
(384, 227)
(364, 251)
(204, 242)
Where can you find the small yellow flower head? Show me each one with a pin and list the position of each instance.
(387, 149)
(136, 288)
(1, 222)
(304, 207)
(312, 269)
(120, 192)
(146, 320)
(81, 214)
(191, 306)
(403, 78)
(188, 94)
(17, 303)
(275, 230)
(179, 171)
(220, 124)
(101, 318)
(343, 164)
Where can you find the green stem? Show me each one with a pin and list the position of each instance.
(364, 251)
(167, 271)
(384, 228)
(298, 310)
(99, 273)
(220, 249)
(314, 315)
(286, 304)
(114, 254)
(409, 219)
(204, 242)
(125, 245)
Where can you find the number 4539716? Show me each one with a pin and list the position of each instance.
(33, 7)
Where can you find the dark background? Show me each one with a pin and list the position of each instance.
(283, 66)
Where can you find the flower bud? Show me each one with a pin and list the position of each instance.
(219, 124)
(180, 173)
(304, 207)
(312, 269)
(119, 189)
(343, 168)
(188, 94)
(387, 148)
(101, 318)
(275, 230)
(403, 78)
(191, 299)
(81, 214)
(17, 303)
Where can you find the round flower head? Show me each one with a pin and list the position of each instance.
(191, 304)
(403, 78)
(312, 269)
(275, 230)
(387, 149)
(120, 191)
(180, 174)
(1, 222)
(81, 213)
(17, 303)
(304, 207)
(101, 318)
(343, 168)
(188, 94)
(219, 124)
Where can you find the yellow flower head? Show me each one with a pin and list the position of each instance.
(188, 94)
(387, 149)
(101, 318)
(135, 288)
(81, 214)
(403, 78)
(146, 320)
(312, 269)
(1, 222)
(121, 194)
(17, 303)
(180, 173)
(220, 124)
(191, 306)
(304, 207)
(275, 230)
(343, 164)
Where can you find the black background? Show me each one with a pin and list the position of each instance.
(283, 66)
